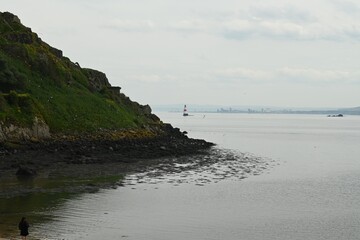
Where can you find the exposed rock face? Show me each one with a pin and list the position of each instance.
(115, 90)
(2, 135)
(25, 38)
(38, 131)
(19, 37)
(58, 53)
(99, 82)
(146, 109)
(9, 17)
(97, 79)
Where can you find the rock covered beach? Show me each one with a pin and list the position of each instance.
(89, 163)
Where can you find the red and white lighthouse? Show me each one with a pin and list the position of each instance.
(185, 113)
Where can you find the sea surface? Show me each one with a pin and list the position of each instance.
(282, 177)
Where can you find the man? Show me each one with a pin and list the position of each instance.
(24, 228)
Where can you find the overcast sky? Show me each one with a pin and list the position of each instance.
(229, 52)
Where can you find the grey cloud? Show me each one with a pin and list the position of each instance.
(191, 25)
(289, 13)
(288, 75)
(130, 25)
(281, 23)
(288, 30)
(289, 22)
(348, 7)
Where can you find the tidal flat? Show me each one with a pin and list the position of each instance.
(38, 195)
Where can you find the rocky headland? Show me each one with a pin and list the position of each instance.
(61, 121)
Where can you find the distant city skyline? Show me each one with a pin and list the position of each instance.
(269, 53)
(244, 108)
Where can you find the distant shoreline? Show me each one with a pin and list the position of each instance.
(325, 113)
(257, 109)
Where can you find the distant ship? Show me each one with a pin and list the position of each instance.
(336, 115)
(185, 113)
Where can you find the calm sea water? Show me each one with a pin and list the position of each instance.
(311, 192)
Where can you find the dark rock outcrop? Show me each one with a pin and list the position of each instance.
(24, 38)
(9, 17)
(97, 80)
(58, 53)
(25, 172)
(146, 109)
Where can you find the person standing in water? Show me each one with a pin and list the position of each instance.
(24, 228)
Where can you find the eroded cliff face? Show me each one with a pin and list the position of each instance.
(39, 131)
(97, 80)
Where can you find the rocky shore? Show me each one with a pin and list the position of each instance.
(88, 163)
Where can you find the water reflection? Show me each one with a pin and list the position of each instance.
(38, 198)
(37, 207)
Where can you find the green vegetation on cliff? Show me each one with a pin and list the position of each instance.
(36, 80)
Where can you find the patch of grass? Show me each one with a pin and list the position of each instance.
(17, 109)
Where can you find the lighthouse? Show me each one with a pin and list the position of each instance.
(185, 113)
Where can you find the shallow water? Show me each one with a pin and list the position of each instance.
(310, 188)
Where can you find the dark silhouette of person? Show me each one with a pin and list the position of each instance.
(24, 228)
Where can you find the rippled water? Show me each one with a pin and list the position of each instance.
(214, 166)
(283, 177)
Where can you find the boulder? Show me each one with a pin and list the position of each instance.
(97, 79)
(146, 109)
(39, 130)
(25, 172)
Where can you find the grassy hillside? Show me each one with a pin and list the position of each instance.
(37, 81)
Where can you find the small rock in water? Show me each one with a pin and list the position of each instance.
(26, 172)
